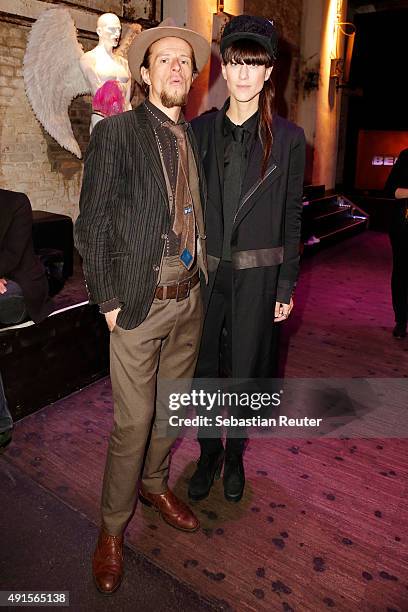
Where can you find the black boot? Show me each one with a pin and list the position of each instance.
(234, 477)
(209, 467)
(400, 330)
(234, 474)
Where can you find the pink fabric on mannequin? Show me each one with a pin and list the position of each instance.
(109, 99)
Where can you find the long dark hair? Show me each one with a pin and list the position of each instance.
(251, 52)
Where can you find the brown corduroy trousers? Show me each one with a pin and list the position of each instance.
(165, 345)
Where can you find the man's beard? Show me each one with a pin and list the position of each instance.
(169, 100)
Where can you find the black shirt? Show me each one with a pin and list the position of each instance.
(238, 140)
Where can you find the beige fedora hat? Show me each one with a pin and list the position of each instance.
(166, 28)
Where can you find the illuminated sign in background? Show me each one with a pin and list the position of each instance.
(383, 160)
(376, 154)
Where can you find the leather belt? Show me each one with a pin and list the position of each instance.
(180, 291)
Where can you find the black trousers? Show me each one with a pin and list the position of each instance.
(215, 356)
(399, 279)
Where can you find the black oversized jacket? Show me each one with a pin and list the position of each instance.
(398, 178)
(265, 237)
(124, 214)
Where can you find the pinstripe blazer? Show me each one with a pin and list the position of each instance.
(124, 214)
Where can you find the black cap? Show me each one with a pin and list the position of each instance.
(251, 28)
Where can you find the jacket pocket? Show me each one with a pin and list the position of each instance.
(119, 254)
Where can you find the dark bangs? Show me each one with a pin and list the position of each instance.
(246, 51)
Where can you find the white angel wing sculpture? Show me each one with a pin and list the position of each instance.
(52, 74)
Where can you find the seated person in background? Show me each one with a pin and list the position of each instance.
(23, 283)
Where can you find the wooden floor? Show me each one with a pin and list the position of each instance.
(324, 522)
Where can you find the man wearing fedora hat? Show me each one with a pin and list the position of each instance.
(140, 232)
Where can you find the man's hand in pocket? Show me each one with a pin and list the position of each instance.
(111, 318)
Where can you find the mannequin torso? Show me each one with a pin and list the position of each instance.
(101, 65)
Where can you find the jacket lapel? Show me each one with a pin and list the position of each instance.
(253, 170)
(147, 140)
(219, 147)
(199, 194)
(199, 164)
(200, 190)
(254, 184)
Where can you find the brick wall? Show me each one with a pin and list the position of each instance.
(287, 17)
(106, 6)
(30, 160)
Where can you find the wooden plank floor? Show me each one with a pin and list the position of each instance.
(324, 522)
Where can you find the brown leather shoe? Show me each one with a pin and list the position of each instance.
(107, 563)
(174, 511)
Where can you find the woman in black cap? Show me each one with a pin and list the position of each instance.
(254, 164)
